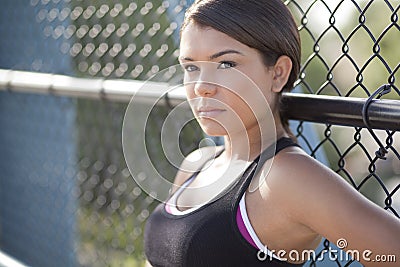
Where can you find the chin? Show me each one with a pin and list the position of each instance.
(212, 128)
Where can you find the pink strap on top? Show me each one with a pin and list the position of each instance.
(243, 229)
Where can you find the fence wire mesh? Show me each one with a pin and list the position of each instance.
(350, 49)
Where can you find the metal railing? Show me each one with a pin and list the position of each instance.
(8, 261)
(382, 114)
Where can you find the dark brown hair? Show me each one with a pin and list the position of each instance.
(265, 25)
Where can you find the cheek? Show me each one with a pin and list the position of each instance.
(189, 89)
(260, 97)
(191, 97)
(251, 107)
(234, 81)
(252, 97)
(239, 107)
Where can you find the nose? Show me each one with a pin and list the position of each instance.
(205, 89)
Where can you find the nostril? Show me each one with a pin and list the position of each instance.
(205, 89)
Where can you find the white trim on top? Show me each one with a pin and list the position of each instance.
(253, 235)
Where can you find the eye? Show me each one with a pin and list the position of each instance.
(190, 67)
(226, 65)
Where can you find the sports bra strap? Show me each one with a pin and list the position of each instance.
(268, 153)
(273, 150)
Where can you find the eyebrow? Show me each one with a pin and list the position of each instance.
(217, 55)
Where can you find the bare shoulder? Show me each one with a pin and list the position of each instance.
(302, 182)
(314, 195)
(193, 163)
(294, 168)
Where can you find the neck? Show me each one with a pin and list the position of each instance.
(247, 146)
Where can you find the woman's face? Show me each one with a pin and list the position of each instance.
(227, 84)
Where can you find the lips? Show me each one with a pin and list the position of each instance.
(209, 111)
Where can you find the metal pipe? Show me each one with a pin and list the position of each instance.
(8, 261)
(347, 111)
(383, 114)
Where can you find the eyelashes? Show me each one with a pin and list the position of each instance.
(227, 65)
(187, 67)
(190, 67)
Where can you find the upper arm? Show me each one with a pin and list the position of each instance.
(322, 200)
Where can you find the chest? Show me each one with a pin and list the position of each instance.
(209, 184)
(191, 239)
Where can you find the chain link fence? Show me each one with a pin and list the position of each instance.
(67, 196)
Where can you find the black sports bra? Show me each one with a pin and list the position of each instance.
(209, 235)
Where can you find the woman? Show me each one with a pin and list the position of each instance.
(260, 198)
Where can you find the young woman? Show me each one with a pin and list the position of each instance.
(260, 200)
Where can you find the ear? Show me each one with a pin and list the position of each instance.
(281, 72)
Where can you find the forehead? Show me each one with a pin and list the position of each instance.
(204, 41)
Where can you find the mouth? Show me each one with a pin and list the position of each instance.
(209, 112)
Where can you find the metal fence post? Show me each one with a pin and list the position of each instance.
(37, 147)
